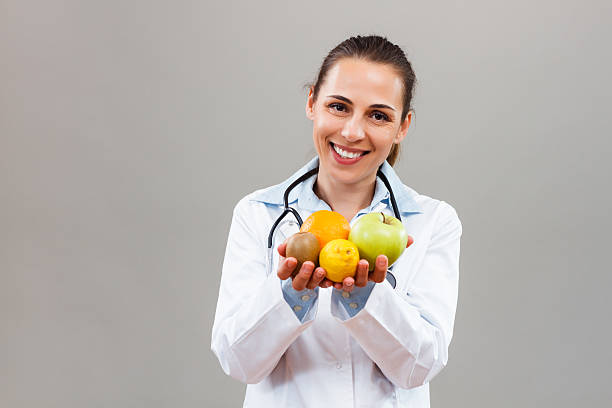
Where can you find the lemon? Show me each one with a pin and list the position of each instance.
(339, 258)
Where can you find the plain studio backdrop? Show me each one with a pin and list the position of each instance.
(130, 129)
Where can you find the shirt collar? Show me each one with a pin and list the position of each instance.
(303, 193)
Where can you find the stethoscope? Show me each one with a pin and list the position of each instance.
(288, 209)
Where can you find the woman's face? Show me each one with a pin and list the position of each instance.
(356, 119)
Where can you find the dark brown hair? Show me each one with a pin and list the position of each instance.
(375, 49)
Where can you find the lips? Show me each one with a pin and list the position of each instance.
(346, 155)
(348, 152)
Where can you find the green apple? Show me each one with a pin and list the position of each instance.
(379, 234)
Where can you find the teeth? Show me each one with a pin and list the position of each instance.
(344, 154)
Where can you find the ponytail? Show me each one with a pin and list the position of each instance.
(393, 154)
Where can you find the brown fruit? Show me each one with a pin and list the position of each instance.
(303, 246)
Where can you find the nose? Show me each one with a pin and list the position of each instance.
(353, 130)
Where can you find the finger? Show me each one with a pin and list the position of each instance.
(338, 285)
(286, 267)
(410, 241)
(348, 284)
(301, 279)
(361, 276)
(380, 269)
(317, 277)
(281, 249)
(326, 283)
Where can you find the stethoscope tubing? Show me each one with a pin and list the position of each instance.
(306, 176)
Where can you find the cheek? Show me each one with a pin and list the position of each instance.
(324, 127)
(382, 138)
(319, 134)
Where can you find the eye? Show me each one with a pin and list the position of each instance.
(378, 115)
(338, 107)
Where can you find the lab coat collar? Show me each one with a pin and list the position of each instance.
(303, 193)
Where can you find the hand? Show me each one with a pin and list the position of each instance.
(306, 277)
(362, 275)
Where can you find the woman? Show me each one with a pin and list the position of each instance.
(373, 340)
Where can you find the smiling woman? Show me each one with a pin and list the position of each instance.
(377, 50)
(358, 116)
(373, 340)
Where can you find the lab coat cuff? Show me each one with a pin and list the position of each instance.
(379, 297)
(303, 302)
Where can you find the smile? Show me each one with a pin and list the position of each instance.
(348, 153)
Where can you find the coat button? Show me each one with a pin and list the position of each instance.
(345, 294)
(353, 305)
(305, 298)
(297, 308)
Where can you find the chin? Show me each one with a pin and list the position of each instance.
(350, 175)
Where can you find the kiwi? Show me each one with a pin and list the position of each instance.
(303, 246)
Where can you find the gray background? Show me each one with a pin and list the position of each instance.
(129, 129)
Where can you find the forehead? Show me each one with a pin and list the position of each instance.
(364, 82)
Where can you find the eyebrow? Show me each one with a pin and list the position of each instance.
(347, 100)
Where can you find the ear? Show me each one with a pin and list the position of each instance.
(403, 130)
(310, 105)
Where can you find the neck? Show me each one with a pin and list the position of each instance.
(346, 199)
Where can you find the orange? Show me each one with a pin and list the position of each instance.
(326, 225)
(339, 258)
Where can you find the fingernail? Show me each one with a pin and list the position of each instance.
(349, 284)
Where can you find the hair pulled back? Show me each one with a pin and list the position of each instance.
(377, 49)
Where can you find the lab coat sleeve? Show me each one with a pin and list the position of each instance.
(408, 334)
(253, 324)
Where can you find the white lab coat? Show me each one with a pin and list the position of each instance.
(384, 356)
